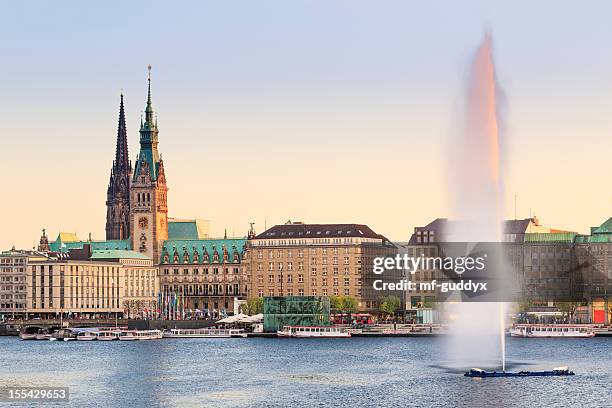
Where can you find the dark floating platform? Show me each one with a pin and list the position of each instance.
(555, 372)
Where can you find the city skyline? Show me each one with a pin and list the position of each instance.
(248, 114)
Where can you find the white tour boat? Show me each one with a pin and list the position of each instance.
(128, 335)
(108, 335)
(312, 332)
(149, 334)
(204, 333)
(87, 336)
(551, 331)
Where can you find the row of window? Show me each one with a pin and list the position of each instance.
(206, 271)
(300, 292)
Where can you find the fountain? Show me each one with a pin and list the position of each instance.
(477, 328)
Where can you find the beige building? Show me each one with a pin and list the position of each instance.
(13, 267)
(85, 283)
(297, 259)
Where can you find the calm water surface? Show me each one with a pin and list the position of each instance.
(384, 372)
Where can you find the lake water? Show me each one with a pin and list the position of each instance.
(357, 372)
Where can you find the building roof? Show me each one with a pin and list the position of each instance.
(62, 246)
(187, 229)
(298, 230)
(515, 227)
(555, 237)
(67, 237)
(117, 254)
(189, 248)
(601, 234)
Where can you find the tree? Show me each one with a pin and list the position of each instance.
(335, 303)
(343, 304)
(253, 306)
(568, 309)
(349, 304)
(390, 304)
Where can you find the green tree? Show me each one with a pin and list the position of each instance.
(349, 304)
(343, 304)
(335, 303)
(390, 304)
(253, 306)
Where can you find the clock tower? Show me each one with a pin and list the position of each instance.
(148, 191)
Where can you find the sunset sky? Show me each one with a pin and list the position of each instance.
(319, 111)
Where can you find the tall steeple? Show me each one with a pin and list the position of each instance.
(118, 193)
(122, 158)
(148, 158)
(148, 202)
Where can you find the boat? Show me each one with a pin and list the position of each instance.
(312, 332)
(43, 336)
(87, 336)
(63, 334)
(555, 372)
(149, 334)
(204, 333)
(128, 335)
(551, 331)
(106, 335)
(30, 333)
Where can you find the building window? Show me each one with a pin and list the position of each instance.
(270, 278)
(346, 281)
(314, 271)
(324, 291)
(335, 281)
(300, 278)
(301, 292)
(289, 278)
(260, 293)
(314, 292)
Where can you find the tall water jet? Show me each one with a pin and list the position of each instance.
(476, 176)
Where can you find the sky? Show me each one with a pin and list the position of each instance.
(314, 111)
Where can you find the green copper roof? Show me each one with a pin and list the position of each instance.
(117, 254)
(561, 237)
(601, 234)
(59, 246)
(186, 249)
(187, 229)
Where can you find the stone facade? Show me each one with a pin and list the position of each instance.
(118, 192)
(298, 259)
(13, 284)
(148, 191)
(207, 274)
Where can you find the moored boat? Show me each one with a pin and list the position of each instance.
(551, 331)
(43, 336)
(87, 336)
(204, 333)
(29, 333)
(108, 335)
(63, 334)
(128, 335)
(312, 332)
(557, 371)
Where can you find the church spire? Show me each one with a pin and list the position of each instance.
(122, 158)
(118, 193)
